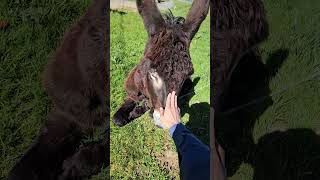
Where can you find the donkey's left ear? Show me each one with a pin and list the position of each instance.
(197, 13)
(152, 18)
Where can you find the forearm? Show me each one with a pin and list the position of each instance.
(194, 156)
(183, 138)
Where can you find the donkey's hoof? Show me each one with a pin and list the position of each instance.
(84, 163)
(119, 120)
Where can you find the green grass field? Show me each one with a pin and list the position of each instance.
(139, 149)
(294, 26)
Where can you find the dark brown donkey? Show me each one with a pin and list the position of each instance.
(76, 78)
(237, 28)
(166, 63)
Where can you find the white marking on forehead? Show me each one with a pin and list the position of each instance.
(157, 81)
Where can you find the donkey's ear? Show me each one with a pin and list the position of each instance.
(152, 19)
(196, 15)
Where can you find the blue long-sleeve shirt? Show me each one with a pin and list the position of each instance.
(194, 156)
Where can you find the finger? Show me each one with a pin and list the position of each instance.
(168, 101)
(175, 107)
(172, 99)
(175, 102)
(161, 111)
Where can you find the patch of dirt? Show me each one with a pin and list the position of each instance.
(3, 24)
(131, 5)
(169, 161)
(123, 4)
(168, 158)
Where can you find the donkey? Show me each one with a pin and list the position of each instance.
(166, 63)
(237, 27)
(77, 80)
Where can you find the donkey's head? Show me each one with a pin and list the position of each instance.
(167, 49)
(166, 63)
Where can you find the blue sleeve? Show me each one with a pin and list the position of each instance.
(194, 156)
(172, 129)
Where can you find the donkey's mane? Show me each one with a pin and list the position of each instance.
(170, 55)
(172, 20)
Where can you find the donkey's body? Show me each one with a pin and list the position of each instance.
(166, 53)
(237, 27)
(76, 79)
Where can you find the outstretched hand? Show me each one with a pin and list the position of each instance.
(171, 114)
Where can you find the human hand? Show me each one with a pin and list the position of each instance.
(171, 114)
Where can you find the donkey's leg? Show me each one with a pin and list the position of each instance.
(129, 111)
(87, 161)
(58, 139)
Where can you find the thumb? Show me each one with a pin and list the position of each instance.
(161, 111)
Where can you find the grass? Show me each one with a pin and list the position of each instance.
(281, 130)
(36, 26)
(297, 32)
(139, 149)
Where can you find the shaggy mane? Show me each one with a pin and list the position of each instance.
(172, 20)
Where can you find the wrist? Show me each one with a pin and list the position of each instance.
(173, 128)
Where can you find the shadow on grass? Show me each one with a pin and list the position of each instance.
(199, 121)
(249, 82)
(199, 113)
(290, 155)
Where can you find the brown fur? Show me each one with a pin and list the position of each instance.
(237, 27)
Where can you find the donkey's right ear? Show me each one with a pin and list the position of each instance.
(197, 13)
(152, 18)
